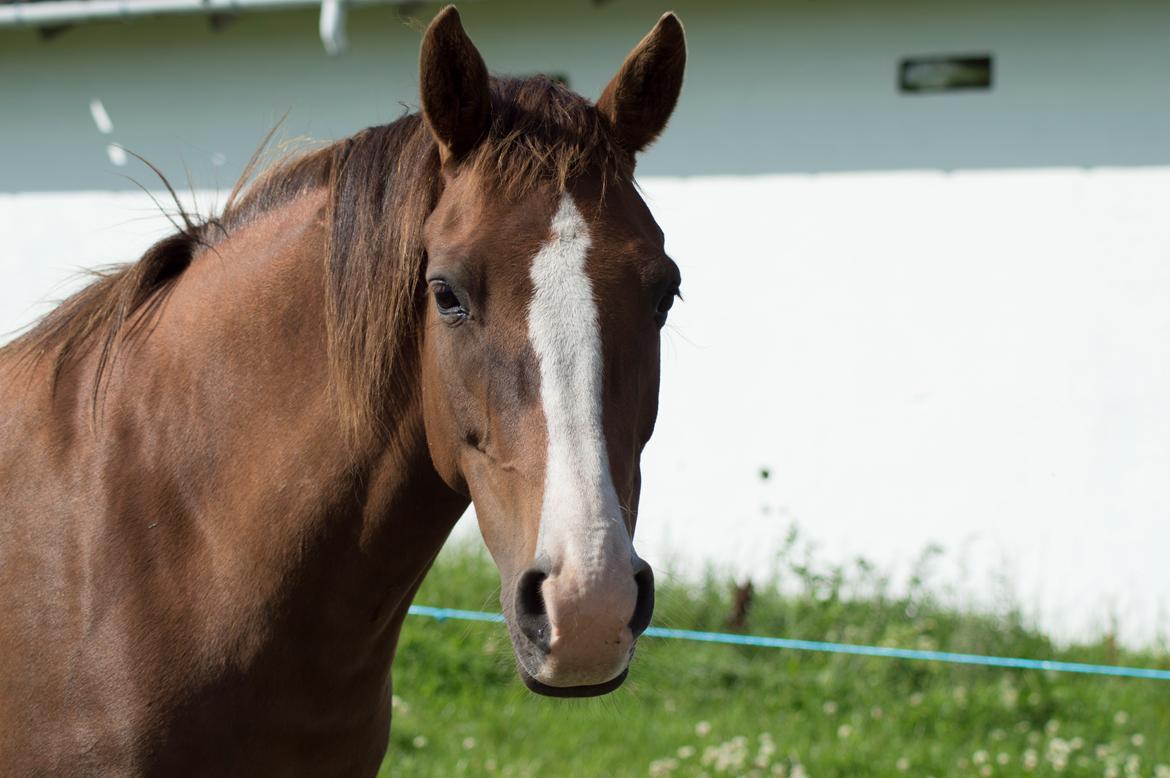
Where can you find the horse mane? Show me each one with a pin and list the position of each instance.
(382, 182)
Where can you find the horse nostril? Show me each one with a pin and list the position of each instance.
(531, 615)
(644, 607)
(529, 598)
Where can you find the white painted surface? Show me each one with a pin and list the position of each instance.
(772, 86)
(978, 359)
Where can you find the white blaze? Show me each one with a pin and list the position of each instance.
(580, 512)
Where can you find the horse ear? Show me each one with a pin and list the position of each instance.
(640, 98)
(453, 85)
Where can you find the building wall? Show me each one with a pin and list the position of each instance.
(931, 318)
(773, 87)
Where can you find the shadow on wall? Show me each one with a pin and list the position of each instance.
(772, 87)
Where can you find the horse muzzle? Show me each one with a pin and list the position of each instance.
(574, 633)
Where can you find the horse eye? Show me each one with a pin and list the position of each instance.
(447, 300)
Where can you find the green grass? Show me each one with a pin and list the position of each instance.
(693, 709)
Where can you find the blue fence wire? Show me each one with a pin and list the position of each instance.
(760, 641)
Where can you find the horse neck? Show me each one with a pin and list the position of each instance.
(228, 399)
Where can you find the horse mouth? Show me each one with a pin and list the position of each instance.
(592, 690)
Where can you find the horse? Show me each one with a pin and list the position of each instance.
(225, 468)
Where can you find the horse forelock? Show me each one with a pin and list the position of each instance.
(382, 182)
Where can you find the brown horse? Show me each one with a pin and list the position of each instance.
(226, 468)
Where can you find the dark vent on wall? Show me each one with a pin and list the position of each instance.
(924, 75)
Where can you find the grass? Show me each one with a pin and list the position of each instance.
(693, 709)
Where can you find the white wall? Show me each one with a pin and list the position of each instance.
(976, 357)
(772, 87)
(1001, 386)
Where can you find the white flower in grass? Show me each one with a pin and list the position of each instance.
(1052, 727)
(986, 770)
(916, 699)
(1133, 765)
(1002, 758)
(490, 765)
(766, 752)
(1162, 771)
(1031, 759)
(876, 713)
(399, 706)
(728, 756)
(685, 752)
(1111, 771)
(703, 728)
(1138, 740)
(733, 757)
(798, 771)
(1120, 718)
(469, 743)
(660, 768)
(780, 769)
(1101, 751)
(420, 741)
(903, 764)
(1076, 744)
(829, 707)
(980, 757)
